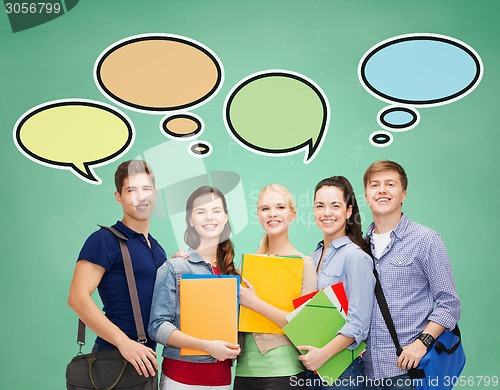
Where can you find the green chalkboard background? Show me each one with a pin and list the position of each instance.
(451, 157)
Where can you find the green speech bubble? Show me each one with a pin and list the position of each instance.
(75, 135)
(278, 112)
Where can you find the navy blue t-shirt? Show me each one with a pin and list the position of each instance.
(103, 248)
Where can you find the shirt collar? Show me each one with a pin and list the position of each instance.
(401, 226)
(194, 257)
(398, 230)
(129, 233)
(339, 242)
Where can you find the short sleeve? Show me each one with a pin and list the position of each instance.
(101, 248)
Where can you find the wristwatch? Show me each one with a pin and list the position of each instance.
(426, 338)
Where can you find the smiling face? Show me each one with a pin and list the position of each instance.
(385, 194)
(137, 197)
(275, 212)
(331, 212)
(208, 217)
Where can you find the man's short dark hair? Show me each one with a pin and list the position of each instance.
(129, 168)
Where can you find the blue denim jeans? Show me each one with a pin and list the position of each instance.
(401, 382)
(351, 379)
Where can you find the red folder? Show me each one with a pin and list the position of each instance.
(338, 289)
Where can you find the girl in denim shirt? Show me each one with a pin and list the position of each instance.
(342, 256)
(270, 361)
(210, 252)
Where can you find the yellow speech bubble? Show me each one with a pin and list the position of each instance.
(75, 135)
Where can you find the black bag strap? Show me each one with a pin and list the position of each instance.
(418, 373)
(134, 297)
(414, 373)
(384, 309)
(440, 347)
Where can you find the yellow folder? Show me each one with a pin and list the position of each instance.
(277, 280)
(209, 308)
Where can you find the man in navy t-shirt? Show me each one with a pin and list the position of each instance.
(100, 266)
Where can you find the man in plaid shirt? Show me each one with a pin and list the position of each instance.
(416, 277)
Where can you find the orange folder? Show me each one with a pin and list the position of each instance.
(277, 280)
(209, 308)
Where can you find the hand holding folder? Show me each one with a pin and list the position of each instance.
(317, 324)
(277, 280)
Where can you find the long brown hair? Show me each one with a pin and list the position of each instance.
(353, 223)
(225, 248)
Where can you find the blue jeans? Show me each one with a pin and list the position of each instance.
(401, 382)
(351, 379)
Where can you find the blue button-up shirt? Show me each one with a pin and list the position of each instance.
(345, 262)
(415, 274)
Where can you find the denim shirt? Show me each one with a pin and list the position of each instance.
(165, 316)
(346, 262)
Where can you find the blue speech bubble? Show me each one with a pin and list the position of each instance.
(420, 70)
(423, 70)
(394, 118)
(381, 138)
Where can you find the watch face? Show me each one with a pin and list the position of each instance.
(427, 339)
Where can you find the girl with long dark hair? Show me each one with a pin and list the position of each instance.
(341, 256)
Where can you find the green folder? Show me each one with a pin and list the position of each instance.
(317, 324)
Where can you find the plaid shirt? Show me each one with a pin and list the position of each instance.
(416, 277)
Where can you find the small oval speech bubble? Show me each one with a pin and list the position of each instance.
(74, 134)
(395, 118)
(381, 138)
(158, 73)
(277, 112)
(182, 126)
(420, 70)
(200, 149)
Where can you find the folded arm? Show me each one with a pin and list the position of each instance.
(86, 278)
